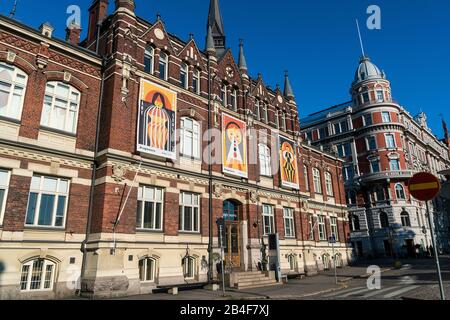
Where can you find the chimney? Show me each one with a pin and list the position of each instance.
(46, 29)
(97, 13)
(73, 33)
(125, 4)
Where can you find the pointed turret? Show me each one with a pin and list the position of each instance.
(242, 62)
(288, 92)
(126, 5)
(215, 22)
(210, 48)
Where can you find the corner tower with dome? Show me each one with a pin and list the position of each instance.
(383, 146)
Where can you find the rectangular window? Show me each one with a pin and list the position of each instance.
(13, 83)
(322, 229)
(163, 63)
(324, 133)
(190, 138)
(329, 184)
(265, 161)
(390, 141)
(395, 165)
(4, 185)
(345, 150)
(47, 203)
(148, 59)
(366, 98)
(375, 166)
(349, 173)
(184, 76)
(380, 96)
(371, 144)
(317, 181)
(368, 120)
(289, 224)
(334, 227)
(386, 117)
(337, 128)
(257, 110)
(344, 127)
(147, 270)
(189, 212)
(311, 227)
(196, 81)
(234, 100)
(150, 208)
(306, 175)
(268, 220)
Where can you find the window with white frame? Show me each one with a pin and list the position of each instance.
(263, 109)
(189, 212)
(150, 208)
(371, 143)
(322, 229)
(277, 119)
(406, 221)
(268, 219)
(258, 109)
(334, 227)
(292, 259)
(224, 95)
(4, 185)
(196, 81)
(163, 65)
(190, 138)
(149, 59)
(234, 99)
(289, 224)
(283, 121)
(380, 95)
(390, 141)
(367, 120)
(349, 173)
(61, 107)
(386, 117)
(317, 181)
(47, 203)
(400, 192)
(13, 83)
(329, 184)
(184, 76)
(306, 175)
(394, 164)
(311, 227)
(375, 166)
(147, 270)
(265, 160)
(189, 267)
(37, 275)
(354, 223)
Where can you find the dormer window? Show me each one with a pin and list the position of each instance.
(163, 63)
(148, 59)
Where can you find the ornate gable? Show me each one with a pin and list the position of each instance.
(260, 90)
(228, 69)
(158, 36)
(191, 54)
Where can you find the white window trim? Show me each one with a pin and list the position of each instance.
(306, 174)
(371, 167)
(364, 118)
(14, 83)
(334, 224)
(188, 260)
(322, 224)
(271, 216)
(153, 274)
(149, 49)
(195, 148)
(234, 101)
(184, 69)
(224, 92)
(368, 143)
(383, 113)
(386, 140)
(166, 62)
(197, 75)
(265, 160)
(43, 274)
(289, 214)
(141, 197)
(5, 196)
(193, 206)
(403, 190)
(317, 179)
(329, 184)
(56, 194)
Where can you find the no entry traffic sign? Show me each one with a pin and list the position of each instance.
(424, 186)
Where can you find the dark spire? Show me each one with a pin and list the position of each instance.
(210, 48)
(216, 24)
(242, 62)
(287, 87)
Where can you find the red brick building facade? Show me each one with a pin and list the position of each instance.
(82, 211)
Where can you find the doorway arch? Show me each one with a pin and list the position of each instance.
(232, 214)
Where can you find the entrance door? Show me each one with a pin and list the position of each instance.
(232, 235)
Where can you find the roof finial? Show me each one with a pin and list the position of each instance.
(360, 39)
(158, 16)
(242, 61)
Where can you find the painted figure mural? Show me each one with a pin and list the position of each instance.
(157, 121)
(288, 164)
(234, 146)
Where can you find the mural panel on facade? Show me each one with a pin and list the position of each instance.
(234, 142)
(157, 120)
(288, 164)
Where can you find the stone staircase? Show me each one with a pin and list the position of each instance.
(252, 279)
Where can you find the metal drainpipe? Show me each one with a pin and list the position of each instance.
(211, 224)
(94, 171)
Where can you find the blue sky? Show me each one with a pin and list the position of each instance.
(315, 40)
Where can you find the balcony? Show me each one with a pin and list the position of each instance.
(385, 175)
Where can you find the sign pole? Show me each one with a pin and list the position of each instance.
(222, 253)
(436, 253)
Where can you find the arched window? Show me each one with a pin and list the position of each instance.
(326, 262)
(149, 59)
(190, 138)
(38, 274)
(147, 270)
(292, 259)
(189, 267)
(184, 72)
(61, 107)
(317, 181)
(196, 81)
(400, 192)
(13, 83)
(354, 223)
(329, 184)
(163, 65)
(265, 160)
(406, 221)
(384, 220)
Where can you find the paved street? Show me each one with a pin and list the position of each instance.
(416, 280)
